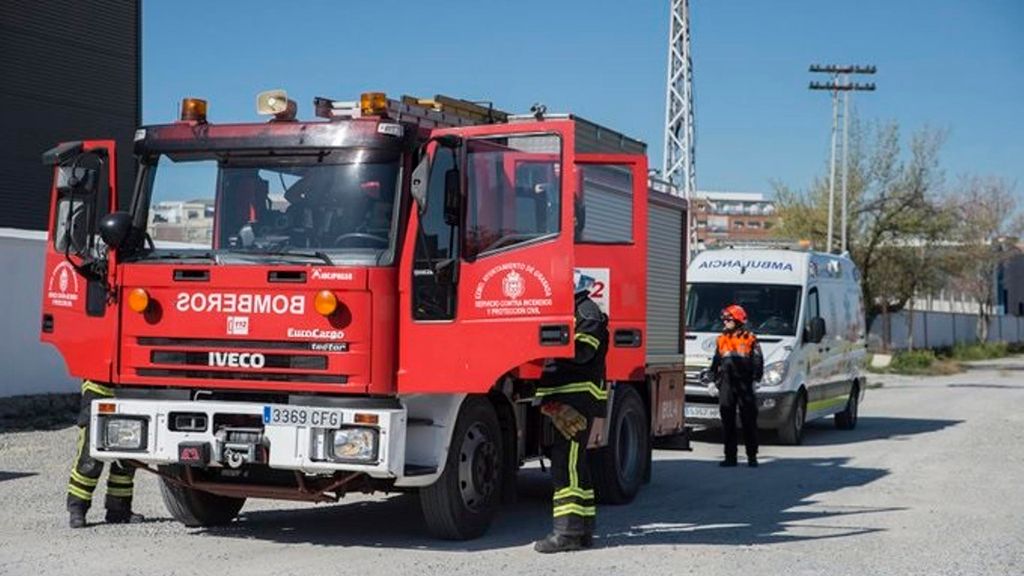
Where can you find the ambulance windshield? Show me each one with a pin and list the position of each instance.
(772, 309)
(340, 203)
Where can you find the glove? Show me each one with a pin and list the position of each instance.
(565, 418)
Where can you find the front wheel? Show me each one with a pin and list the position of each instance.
(195, 508)
(847, 419)
(792, 431)
(620, 468)
(462, 502)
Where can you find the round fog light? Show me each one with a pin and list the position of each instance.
(325, 302)
(768, 403)
(138, 300)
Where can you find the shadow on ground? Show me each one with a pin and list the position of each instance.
(5, 476)
(688, 502)
(824, 432)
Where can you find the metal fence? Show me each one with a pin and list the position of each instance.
(939, 330)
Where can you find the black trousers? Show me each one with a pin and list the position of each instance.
(742, 398)
(86, 471)
(573, 504)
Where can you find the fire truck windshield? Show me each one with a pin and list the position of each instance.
(338, 203)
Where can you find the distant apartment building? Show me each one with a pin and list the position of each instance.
(723, 217)
(190, 222)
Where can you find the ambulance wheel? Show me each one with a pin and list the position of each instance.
(464, 500)
(620, 468)
(847, 419)
(195, 508)
(792, 431)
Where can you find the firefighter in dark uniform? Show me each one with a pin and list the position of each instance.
(737, 364)
(572, 394)
(85, 472)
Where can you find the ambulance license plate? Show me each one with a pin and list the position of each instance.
(299, 416)
(702, 412)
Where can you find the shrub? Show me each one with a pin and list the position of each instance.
(913, 362)
(979, 351)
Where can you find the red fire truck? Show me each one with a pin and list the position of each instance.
(363, 302)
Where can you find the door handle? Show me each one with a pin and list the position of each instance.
(628, 338)
(554, 334)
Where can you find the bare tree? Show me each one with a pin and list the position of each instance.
(989, 222)
(893, 211)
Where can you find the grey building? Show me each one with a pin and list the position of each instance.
(70, 70)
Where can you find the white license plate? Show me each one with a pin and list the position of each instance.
(701, 411)
(299, 416)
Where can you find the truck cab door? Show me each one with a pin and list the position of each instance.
(486, 278)
(79, 313)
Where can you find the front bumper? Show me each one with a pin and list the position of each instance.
(773, 409)
(282, 447)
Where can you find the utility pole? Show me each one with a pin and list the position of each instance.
(840, 82)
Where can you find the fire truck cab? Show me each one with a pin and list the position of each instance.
(298, 309)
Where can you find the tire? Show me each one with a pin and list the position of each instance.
(619, 469)
(195, 508)
(465, 498)
(792, 432)
(847, 419)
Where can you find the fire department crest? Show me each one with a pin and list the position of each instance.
(63, 282)
(513, 286)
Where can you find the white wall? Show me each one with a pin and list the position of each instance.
(27, 366)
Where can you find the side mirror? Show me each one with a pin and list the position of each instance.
(115, 228)
(452, 197)
(420, 183)
(77, 179)
(815, 330)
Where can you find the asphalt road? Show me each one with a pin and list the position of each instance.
(931, 482)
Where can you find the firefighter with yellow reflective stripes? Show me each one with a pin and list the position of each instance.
(85, 472)
(572, 393)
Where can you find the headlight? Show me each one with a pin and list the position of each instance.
(774, 373)
(358, 444)
(124, 434)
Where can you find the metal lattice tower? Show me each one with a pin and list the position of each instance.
(678, 163)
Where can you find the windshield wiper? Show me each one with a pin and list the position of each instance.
(182, 256)
(320, 254)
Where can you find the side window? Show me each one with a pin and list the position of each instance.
(436, 248)
(513, 192)
(813, 308)
(607, 215)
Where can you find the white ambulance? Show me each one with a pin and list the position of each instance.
(807, 311)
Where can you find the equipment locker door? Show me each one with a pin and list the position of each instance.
(489, 288)
(78, 272)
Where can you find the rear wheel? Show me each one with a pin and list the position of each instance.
(792, 431)
(195, 508)
(619, 469)
(847, 419)
(464, 500)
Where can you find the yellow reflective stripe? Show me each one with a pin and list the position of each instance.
(120, 478)
(574, 509)
(90, 386)
(119, 492)
(589, 387)
(588, 339)
(577, 492)
(79, 493)
(574, 454)
(82, 479)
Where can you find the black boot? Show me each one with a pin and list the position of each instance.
(559, 543)
(752, 460)
(76, 516)
(729, 462)
(124, 517)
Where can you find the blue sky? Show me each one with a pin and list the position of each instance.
(955, 65)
